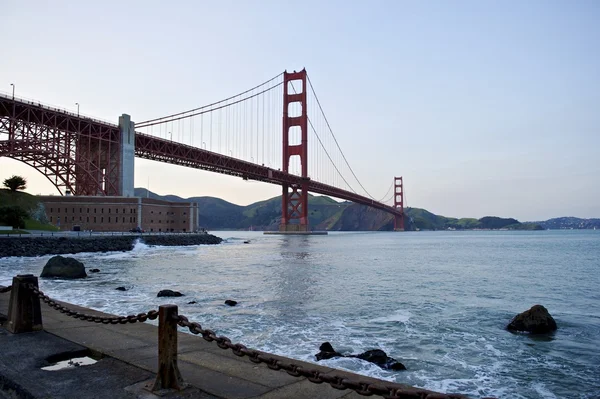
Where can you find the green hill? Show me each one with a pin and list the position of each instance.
(325, 213)
(31, 205)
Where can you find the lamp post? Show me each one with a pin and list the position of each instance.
(204, 145)
(77, 109)
(171, 136)
(11, 131)
(231, 153)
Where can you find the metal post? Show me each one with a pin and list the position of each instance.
(168, 376)
(24, 312)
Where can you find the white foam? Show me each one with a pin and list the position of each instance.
(543, 391)
(139, 246)
(399, 316)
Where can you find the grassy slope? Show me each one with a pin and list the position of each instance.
(27, 202)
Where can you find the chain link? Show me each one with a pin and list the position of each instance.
(313, 375)
(5, 289)
(140, 317)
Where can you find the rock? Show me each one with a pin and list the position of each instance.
(380, 358)
(375, 356)
(192, 302)
(121, 289)
(94, 270)
(536, 320)
(63, 267)
(247, 242)
(327, 352)
(230, 302)
(169, 293)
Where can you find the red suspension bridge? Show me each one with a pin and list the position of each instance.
(244, 135)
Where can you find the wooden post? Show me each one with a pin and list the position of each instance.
(24, 313)
(168, 376)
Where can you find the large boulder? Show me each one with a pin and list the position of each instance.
(375, 356)
(326, 351)
(63, 267)
(536, 320)
(169, 293)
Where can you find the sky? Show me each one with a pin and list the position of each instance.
(484, 107)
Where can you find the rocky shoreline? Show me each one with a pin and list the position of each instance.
(39, 246)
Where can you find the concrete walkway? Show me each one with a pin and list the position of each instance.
(129, 362)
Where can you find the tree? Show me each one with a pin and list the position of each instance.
(15, 183)
(13, 216)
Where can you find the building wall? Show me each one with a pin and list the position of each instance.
(99, 213)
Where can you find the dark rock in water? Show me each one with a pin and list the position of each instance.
(536, 320)
(327, 352)
(375, 356)
(121, 289)
(247, 242)
(63, 267)
(94, 270)
(381, 359)
(169, 293)
(192, 302)
(230, 302)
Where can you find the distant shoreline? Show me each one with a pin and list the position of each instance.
(40, 246)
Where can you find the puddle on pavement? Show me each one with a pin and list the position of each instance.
(70, 363)
(70, 360)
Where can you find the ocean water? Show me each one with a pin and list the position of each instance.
(436, 301)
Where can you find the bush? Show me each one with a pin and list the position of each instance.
(13, 216)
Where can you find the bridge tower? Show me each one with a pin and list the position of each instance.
(104, 165)
(399, 203)
(294, 199)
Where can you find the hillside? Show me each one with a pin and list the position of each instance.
(26, 201)
(570, 223)
(30, 204)
(328, 214)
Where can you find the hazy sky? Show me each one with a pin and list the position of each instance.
(485, 107)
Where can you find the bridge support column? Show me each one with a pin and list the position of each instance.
(294, 199)
(127, 154)
(399, 203)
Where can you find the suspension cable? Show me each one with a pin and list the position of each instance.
(336, 142)
(160, 120)
(325, 149)
(209, 105)
(388, 191)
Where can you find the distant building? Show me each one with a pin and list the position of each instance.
(99, 213)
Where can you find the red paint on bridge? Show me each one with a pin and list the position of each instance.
(82, 155)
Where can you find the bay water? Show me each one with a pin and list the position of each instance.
(436, 301)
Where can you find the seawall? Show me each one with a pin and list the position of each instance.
(39, 246)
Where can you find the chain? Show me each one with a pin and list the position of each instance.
(140, 317)
(5, 289)
(313, 375)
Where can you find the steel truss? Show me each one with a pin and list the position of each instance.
(76, 154)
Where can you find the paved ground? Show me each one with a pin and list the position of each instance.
(129, 361)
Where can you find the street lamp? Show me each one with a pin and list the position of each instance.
(204, 145)
(77, 109)
(171, 136)
(231, 153)
(252, 158)
(13, 86)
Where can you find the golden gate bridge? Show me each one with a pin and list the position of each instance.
(276, 132)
